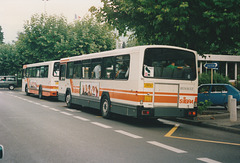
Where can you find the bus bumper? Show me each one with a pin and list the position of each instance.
(165, 112)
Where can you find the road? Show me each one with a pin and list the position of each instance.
(40, 131)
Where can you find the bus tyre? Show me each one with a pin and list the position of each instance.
(40, 93)
(26, 90)
(11, 87)
(105, 107)
(69, 100)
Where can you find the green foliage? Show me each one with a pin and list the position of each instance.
(41, 38)
(9, 60)
(50, 38)
(203, 106)
(91, 36)
(205, 78)
(1, 35)
(210, 26)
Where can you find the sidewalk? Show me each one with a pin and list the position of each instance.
(217, 118)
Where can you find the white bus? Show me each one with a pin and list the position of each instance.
(144, 81)
(41, 78)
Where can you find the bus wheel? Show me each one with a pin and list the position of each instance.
(11, 87)
(69, 100)
(40, 93)
(105, 107)
(26, 90)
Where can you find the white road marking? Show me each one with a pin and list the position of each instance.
(37, 103)
(81, 118)
(53, 109)
(74, 111)
(128, 134)
(207, 160)
(45, 106)
(101, 125)
(166, 147)
(65, 113)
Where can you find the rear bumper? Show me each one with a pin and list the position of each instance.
(165, 112)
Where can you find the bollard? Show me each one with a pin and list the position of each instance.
(229, 101)
(233, 110)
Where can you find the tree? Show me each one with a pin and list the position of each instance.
(211, 26)
(92, 36)
(43, 39)
(1, 36)
(50, 38)
(9, 60)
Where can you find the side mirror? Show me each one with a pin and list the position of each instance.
(1, 151)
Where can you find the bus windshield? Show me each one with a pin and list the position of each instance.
(169, 64)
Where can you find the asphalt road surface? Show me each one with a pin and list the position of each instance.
(46, 131)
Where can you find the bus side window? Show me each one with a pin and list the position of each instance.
(56, 69)
(86, 69)
(122, 67)
(70, 70)
(62, 75)
(38, 72)
(42, 72)
(46, 71)
(77, 70)
(108, 68)
(96, 68)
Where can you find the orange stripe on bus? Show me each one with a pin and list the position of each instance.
(44, 93)
(141, 92)
(49, 87)
(166, 99)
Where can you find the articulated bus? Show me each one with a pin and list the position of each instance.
(41, 78)
(143, 82)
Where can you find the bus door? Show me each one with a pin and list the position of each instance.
(62, 77)
(166, 95)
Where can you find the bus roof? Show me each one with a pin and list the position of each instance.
(40, 63)
(119, 52)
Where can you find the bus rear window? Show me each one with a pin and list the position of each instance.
(169, 64)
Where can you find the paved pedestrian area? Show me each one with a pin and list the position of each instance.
(218, 118)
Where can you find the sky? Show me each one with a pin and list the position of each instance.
(14, 13)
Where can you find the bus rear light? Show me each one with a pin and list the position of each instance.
(192, 113)
(145, 112)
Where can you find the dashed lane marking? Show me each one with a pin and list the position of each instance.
(45, 106)
(66, 113)
(53, 109)
(101, 125)
(74, 111)
(81, 118)
(207, 160)
(176, 150)
(128, 134)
